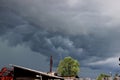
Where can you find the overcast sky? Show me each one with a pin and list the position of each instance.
(87, 30)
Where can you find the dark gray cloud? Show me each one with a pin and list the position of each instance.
(62, 28)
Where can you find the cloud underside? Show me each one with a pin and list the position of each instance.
(82, 29)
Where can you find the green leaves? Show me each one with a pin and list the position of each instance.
(68, 67)
(101, 76)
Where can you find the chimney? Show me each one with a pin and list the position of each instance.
(51, 63)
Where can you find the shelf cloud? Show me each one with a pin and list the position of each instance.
(86, 30)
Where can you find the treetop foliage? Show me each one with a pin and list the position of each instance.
(68, 67)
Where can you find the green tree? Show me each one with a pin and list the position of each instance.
(101, 76)
(68, 67)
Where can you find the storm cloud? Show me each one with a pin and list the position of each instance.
(86, 30)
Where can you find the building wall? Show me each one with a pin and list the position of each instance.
(70, 78)
(117, 78)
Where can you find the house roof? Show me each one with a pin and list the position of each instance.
(35, 71)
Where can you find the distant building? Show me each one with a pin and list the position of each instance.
(117, 78)
(71, 78)
(87, 78)
(107, 78)
(81, 78)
